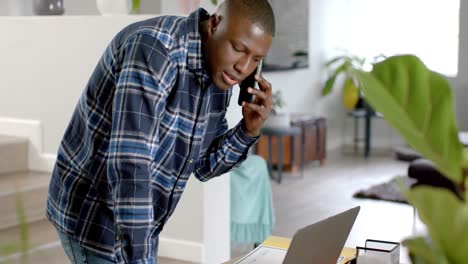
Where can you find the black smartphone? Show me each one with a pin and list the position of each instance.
(249, 82)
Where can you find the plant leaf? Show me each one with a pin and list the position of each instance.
(465, 158)
(8, 250)
(331, 81)
(446, 218)
(135, 5)
(333, 60)
(423, 252)
(329, 85)
(419, 104)
(23, 224)
(214, 2)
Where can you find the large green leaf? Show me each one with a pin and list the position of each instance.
(465, 158)
(419, 104)
(423, 252)
(446, 218)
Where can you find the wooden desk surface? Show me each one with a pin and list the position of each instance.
(282, 242)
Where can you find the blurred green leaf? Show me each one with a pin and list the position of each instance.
(423, 252)
(328, 85)
(333, 60)
(135, 5)
(23, 226)
(214, 2)
(331, 81)
(465, 158)
(446, 218)
(419, 104)
(9, 250)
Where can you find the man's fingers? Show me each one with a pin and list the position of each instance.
(263, 111)
(262, 98)
(265, 87)
(258, 93)
(264, 84)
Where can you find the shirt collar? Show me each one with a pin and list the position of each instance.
(196, 60)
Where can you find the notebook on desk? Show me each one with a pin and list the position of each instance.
(321, 243)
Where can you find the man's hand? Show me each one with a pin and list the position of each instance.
(257, 112)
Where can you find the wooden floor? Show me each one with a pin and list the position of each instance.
(323, 192)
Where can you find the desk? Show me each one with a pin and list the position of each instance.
(282, 242)
(367, 115)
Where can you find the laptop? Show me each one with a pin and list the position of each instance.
(319, 243)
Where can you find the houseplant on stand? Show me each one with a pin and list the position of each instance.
(344, 65)
(419, 104)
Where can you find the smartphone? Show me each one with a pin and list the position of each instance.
(249, 82)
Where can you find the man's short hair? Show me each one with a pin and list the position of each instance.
(258, 11)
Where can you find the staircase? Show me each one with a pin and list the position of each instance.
(17, 182)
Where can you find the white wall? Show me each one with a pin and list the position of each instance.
(72, 7)
(461, 81)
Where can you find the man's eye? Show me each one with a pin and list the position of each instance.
(236, 48)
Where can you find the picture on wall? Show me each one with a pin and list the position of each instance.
(290, 45)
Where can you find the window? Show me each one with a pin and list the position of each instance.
(427, 28)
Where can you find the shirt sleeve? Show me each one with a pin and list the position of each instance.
(142, 75)
(225, 152)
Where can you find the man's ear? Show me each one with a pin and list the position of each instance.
(215, 19)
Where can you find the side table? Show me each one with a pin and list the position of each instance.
(367, 115)
(279, 132)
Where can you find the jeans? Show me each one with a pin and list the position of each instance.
(78, 254)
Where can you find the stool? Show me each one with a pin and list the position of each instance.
(280, 132)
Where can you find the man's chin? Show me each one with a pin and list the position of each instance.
(222, 85)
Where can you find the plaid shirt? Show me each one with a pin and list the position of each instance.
(148, 118)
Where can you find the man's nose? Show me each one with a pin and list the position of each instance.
(242, 65)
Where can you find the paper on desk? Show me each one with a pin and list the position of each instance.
(267, 255)
(264, 255)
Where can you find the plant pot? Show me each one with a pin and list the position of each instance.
(48, 7)
(364, 105)
(278, 120)
(114, 7)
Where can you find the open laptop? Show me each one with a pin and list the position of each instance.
(319, 243)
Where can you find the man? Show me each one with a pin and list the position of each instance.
(152, 113)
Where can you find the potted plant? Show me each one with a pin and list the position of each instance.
(344, 65)
(419, 104)
(277, 119)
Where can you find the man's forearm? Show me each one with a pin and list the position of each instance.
(224, 153)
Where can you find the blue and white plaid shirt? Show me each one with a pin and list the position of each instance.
(148, 118)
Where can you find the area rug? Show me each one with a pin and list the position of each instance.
(387, 191)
